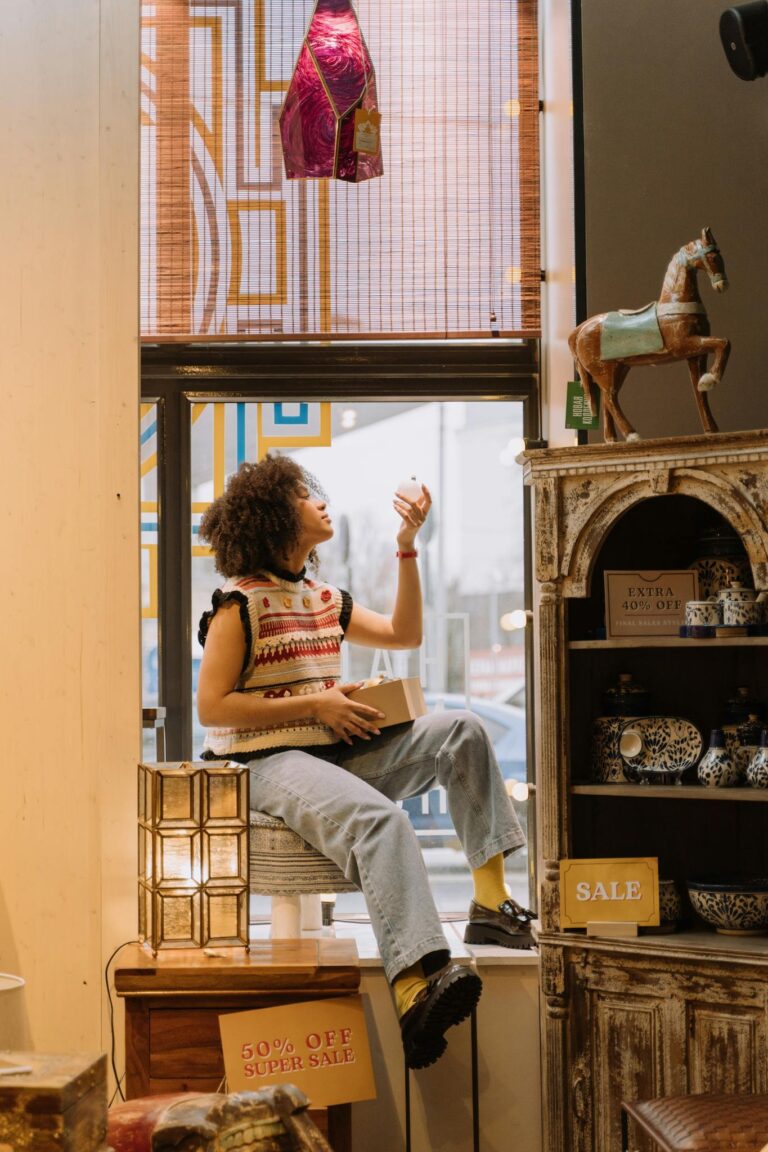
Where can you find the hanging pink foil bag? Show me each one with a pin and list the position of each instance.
(329, 122)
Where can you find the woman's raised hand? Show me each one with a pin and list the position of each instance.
(346, 717)
(413, 513)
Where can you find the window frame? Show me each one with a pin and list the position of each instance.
(175, 376)
(183, 369)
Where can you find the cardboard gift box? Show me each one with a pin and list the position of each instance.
(58, 1105)
(399, 700)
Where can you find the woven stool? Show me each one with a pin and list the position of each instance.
(293, 873)
(707, 1123)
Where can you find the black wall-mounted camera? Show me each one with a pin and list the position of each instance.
(744, 33)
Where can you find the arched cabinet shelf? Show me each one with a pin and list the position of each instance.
(660, 1013)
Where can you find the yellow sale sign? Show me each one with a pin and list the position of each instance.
(620, 891)
(321, 1046)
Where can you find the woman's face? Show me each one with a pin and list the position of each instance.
(316, 525)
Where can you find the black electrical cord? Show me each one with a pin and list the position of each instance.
(407, 1107)
(113, 1060)
(475, 1085)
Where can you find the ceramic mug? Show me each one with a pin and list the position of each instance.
(706, 612)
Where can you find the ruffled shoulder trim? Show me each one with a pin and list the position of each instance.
(345, 611)
(220, 596)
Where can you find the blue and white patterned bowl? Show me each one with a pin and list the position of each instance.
(733, 907)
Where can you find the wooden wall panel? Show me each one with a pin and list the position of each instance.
(726, 1050)
(626, 1059)
(69, 566)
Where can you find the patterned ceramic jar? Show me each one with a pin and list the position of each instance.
(623, 701)
(741, 614)
(606, 764)
(757, 769)
(716, 767)
(748, 735)
(721, 560)
(738, 605)
(670, 906)
(735, 749)
(737, 593)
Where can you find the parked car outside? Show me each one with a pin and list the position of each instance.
(505, 724)
(506, 728)
(513, 694)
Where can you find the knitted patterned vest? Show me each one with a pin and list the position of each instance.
(293, 634)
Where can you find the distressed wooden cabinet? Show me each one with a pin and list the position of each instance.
(656, 1014)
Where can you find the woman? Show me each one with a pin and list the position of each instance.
(269, 695)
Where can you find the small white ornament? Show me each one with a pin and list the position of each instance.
(410, 488)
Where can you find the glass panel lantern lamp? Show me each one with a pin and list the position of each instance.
(193, 855)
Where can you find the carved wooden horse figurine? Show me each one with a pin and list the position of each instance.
(674, 328)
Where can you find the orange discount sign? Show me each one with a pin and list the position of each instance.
(321, 1046)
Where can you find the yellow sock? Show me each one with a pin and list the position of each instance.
(407, 986)
(488, 879)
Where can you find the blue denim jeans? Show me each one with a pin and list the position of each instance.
(344, 804)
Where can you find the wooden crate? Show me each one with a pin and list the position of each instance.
(59, 1106)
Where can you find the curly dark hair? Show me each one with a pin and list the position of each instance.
(256, 521)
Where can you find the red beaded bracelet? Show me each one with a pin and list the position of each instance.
(406, 555)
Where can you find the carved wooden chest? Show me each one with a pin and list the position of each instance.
(59, 1106)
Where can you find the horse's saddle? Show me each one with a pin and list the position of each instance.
(626, 333)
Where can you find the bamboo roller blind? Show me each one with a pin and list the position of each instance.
(444, 245)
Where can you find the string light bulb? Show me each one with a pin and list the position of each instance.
(518, 790)
(513, 621)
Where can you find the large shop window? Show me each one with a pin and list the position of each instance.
(471, 562)
(430, 272)
(444, 245)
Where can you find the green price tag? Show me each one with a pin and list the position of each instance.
(577, 414)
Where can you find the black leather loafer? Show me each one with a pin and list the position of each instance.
(508, 926)
(447, 1000)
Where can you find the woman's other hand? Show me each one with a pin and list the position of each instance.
(413, 513)
(343, 716)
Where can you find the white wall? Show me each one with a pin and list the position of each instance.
(69, 579)
(674, 142)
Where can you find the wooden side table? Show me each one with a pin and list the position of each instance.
(173, 1002)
